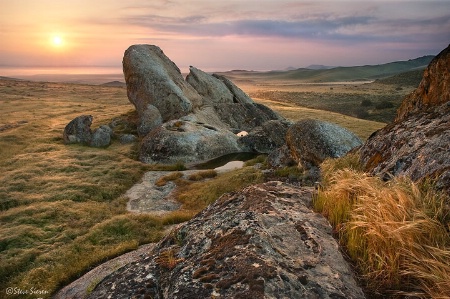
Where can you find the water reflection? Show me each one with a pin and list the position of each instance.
(227, 162)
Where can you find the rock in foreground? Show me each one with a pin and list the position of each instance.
(262, 242)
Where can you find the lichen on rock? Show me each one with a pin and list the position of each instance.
(261, 242)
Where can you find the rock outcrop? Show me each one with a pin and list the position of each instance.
(101, 137)
(311, 141)
(154, 81)
(210, 107)
(433, 90)
(417, 143)
(261, 242)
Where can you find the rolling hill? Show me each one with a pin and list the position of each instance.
(338, 74)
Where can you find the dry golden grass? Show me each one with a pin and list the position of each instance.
(201, 175)
(195, 196)
(162, 181)
(397, 232)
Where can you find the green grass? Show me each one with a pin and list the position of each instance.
(61, 206)
(397, 232)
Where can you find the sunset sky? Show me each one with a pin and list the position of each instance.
(221, 35)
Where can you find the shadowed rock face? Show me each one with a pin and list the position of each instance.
(417, 144)
(261, 242)
(157, 89)
(187, 141)
(433, 90)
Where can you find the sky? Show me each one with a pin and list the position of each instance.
(221, 35)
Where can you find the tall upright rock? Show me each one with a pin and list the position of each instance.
(417, 143)
(155, 83)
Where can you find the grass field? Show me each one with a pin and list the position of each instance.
(61, 206)
(62, 209)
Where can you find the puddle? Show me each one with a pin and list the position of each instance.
(230, 166)
(227, 162)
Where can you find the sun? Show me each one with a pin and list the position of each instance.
(57, 41)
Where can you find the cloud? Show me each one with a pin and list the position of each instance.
(357, 23)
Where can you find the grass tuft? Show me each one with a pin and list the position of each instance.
(396, 232)
(162, 181)
(197, 195)
(201, 175)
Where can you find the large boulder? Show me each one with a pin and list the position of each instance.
(261, 242)
(267, 137)
(160, 95)
(311, 141)
(209, 87)
(417, 143)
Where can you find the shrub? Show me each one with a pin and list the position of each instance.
(366, 103)
(384, 105)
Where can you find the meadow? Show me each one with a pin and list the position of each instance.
(62, 208)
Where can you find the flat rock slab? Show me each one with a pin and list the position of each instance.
(146, 197)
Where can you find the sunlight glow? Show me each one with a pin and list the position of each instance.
(57, 41)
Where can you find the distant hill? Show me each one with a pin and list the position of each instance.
(319, 67)
(409, 78)
(339, 74)
(114, 84)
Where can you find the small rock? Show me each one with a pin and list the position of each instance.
(78, 130)
(101, 137)
(127, 138)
